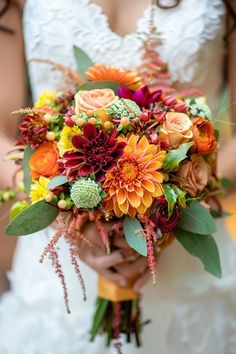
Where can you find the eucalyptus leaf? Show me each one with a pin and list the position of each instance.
(134, 235)
(57, 181)
(204, 247)
(32, 219)
(99, 85)
(196, 219)
(83, 61)
(174, 157)
(171, 198)
(26, 169)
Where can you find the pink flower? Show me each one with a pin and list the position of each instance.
(143, 97)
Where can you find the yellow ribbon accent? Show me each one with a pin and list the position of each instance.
(229, 204)
(112, 292)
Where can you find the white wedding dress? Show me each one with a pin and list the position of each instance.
(191, 311)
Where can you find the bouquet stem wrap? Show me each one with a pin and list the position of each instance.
(117, 311)
(112, 292)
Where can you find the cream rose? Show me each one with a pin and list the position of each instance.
(176, 129)
(93, 100)
(193, 175)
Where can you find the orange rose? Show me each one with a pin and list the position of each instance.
(43, 161)
(193, 175)
(203, 136)
(176, 129)
(93, 100)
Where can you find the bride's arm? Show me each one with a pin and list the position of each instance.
(227, 156)
(12, 96)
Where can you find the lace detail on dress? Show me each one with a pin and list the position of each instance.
(191, 36)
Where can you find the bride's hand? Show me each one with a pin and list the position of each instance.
(94, 255)
(134, 264)
(122, 264)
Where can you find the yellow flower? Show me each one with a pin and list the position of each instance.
(46, 98)
(65, 142)
(136, 180)
(38, 189)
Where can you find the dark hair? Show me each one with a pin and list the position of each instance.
(159, 3)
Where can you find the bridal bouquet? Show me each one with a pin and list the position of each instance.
(112, 149)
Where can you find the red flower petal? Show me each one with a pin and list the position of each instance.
(79, 142)
(90, 132)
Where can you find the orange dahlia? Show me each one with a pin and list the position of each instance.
(123, 77)
(135, 181)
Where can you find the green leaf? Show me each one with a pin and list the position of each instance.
(27, 177)
(227, 183)
(32, 219)
(98, 317)
(99, 85)
(171, 198)
(57, 181)
(181, 196)
(204, 247)
(217, 214)
(196, 219)
(17, 208)
(83, 61)
(174, 157)
(134, 235)
(217, 134)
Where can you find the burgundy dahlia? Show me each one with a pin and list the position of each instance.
(33, 130)
(143, 97)
(159, 215)
(97, 152)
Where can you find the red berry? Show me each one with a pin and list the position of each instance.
(145, 116)
(69, 121)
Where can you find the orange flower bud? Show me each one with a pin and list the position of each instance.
(203, 136)
(43, 161)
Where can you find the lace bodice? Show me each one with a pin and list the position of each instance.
(192, 40)
(191, 311)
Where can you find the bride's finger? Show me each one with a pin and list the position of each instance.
(114, 277)
(106, 261)
(128, 269)
(142, 281)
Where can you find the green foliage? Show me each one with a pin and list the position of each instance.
(99, 85)
(83, 61)
(134, 235)
(102, 305)
(227, 183)
(196, 219)
(57, 181)
(171, 198)
(174, 157)
(173, 194)
(17, 208)
(204, 247)
(32, 219)
(27, 177)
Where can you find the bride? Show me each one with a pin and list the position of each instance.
(191, 311)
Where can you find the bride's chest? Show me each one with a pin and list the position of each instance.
(191, 34)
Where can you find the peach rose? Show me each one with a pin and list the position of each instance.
(193, 175)
(203, 136)
(93, 100)
(176, 129)
(43, 161)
